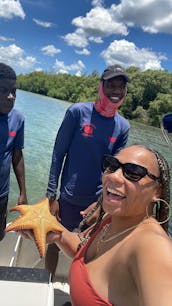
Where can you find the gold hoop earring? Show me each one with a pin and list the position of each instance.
(153, 215)
(169, 211)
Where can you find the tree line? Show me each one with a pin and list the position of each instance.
(149, 93)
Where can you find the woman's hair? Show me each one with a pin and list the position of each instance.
(6, 72)
(162, 210)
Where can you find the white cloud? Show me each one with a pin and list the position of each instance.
(75, 68)
(97, 40)
(128, 54)
(76, 39)
(153, 16)
(100, 22)
(10, 9)
(97, 2)
(83, 52)
(50, 50)
(3, 38)
(162, 25)
(14, 56)
(43, 24)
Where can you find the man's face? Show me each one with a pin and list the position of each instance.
(115, 88)
(7, 95)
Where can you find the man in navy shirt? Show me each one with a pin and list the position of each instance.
(88, 131)
(11, 142)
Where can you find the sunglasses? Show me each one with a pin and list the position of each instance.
(131, 172)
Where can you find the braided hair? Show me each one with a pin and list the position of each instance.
(162, 209)
(6, 72)
(88, 215)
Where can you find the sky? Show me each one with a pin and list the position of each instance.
(81, 36)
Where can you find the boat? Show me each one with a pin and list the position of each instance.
(22, 269)
(167, 122)
(166, 128)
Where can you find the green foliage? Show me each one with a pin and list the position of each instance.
(161, 105)
(141, 115)
(149, 93)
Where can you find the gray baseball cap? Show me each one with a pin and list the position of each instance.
(114, 71)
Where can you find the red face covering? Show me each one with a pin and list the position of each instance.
(105, 106)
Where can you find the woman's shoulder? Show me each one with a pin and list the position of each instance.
(151, 241)
(150, 230)
(151, 263)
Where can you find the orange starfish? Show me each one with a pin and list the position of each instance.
(38, 218)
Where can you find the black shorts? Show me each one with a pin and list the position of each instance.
(3, 216)
(70, 214)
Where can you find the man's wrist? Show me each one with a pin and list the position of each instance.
(51, 196)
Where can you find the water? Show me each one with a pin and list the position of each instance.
(43, 117)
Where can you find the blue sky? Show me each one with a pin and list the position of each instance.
(80, 36)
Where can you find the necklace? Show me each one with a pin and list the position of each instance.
(105, 229)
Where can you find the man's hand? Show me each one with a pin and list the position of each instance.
(54, 208)
(93, 217)
(22, 199)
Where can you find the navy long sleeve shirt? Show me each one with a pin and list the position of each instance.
(82, 140)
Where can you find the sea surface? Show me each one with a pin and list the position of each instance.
(43, 117)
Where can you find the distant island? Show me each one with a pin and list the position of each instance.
(149, 92)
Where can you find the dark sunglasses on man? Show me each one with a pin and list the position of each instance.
(131, 172)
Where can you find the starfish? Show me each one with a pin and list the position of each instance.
(36, 217)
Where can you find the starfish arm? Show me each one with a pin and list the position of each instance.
(19, 224)
(40, 239)
(20, 208)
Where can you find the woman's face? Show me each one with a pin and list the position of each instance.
(122, 197)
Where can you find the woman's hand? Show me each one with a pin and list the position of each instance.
(28, 234)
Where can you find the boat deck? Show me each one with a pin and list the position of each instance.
(18, 252)
(22, 253)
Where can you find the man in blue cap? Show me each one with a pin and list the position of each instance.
(88, 131)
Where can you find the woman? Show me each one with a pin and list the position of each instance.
(127, 261)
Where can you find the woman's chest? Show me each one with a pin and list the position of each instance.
(110, 273)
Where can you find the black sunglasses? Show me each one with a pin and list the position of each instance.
(131, 172)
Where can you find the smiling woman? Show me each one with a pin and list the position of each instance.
(113, 258)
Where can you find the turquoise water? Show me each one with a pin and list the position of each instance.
(43, 117)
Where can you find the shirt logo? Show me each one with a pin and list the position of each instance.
(112, 139)
(12, 133)
(88, 129)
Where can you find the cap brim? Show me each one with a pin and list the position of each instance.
(113, 75)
